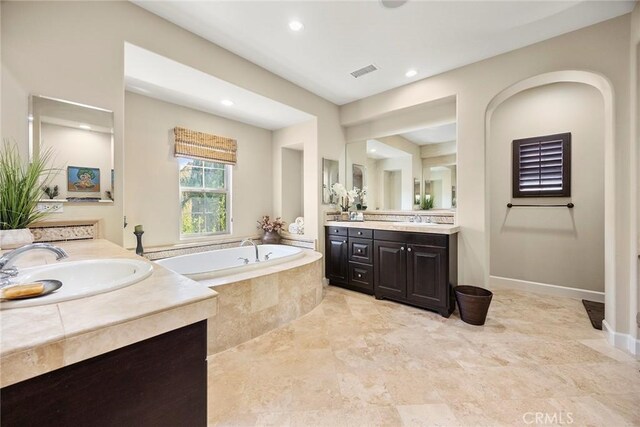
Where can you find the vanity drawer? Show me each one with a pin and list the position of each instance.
(361, 250)
(361, 233)
(361, 276)
(337, 231)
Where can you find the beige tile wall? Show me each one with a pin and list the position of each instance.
(250, 308)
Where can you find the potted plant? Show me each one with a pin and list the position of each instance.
(271, 229)
(20, 190)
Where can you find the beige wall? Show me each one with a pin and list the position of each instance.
(300, 135)
(601, 49)
(77, 147)
(292, 184)
(635, 167)
(151, 170)
(550, 245)
(75, 51)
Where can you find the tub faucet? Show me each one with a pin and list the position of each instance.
(251, 242)
(7, 260)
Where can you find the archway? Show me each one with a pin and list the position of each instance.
(604, 87)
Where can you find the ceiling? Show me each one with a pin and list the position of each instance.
(379, 150)
(156, 76)
(432, 135)
(342, 36)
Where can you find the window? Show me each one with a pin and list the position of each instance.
(542, 166)
(204, 197)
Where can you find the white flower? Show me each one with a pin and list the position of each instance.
(339, 190)
(353, 194)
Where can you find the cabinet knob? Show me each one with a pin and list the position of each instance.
(337, 231)
(402, 248)
(344, 241)
(359, 250)
(359, 275)
(409, 249)
(360, 233)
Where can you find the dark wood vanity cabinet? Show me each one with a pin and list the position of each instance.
(413, 268)
(161, 381)
(337, 267)
(349, 258)
(390, 271)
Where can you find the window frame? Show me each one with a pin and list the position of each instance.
(565, 191)
(227, 191)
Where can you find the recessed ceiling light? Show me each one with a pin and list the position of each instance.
(373, 150)
(83, 126)
(296, 25)
(226, 102)
(411, 73)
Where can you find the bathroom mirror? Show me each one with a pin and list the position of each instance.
(80, 138)
(396, 170)
(330, 175)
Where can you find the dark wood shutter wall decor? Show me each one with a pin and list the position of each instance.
(204, 146)
(542, 166)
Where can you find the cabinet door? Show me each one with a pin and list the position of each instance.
(390, 269)
(337, 263)
(426, 278)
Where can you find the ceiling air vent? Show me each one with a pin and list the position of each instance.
(364, 70)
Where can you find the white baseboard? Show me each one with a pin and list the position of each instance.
(622, 341)
(497, 282)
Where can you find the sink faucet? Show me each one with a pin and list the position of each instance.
(7, 260)
(251, 242)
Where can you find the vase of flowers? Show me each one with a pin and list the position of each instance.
(271, 230)
(341, 196)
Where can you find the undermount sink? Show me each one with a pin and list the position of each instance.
(81, 279)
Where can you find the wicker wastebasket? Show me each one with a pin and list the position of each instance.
(473, 303)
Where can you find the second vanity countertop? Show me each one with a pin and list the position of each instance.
(36, 340)
(397, 226)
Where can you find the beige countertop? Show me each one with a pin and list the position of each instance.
(397, 226)
(36, 340)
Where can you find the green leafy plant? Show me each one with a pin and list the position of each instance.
(21, 187)
(426, 203)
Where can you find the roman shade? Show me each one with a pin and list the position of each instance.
(204, 146)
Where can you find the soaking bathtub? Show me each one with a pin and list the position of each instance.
(222, 262)
(256, 297)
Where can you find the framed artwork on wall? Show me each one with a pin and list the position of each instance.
(83, 179)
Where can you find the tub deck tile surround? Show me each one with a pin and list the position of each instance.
(36, 340)
(356, 361)
(255, 302)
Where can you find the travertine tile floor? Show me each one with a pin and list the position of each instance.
(355, 361)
